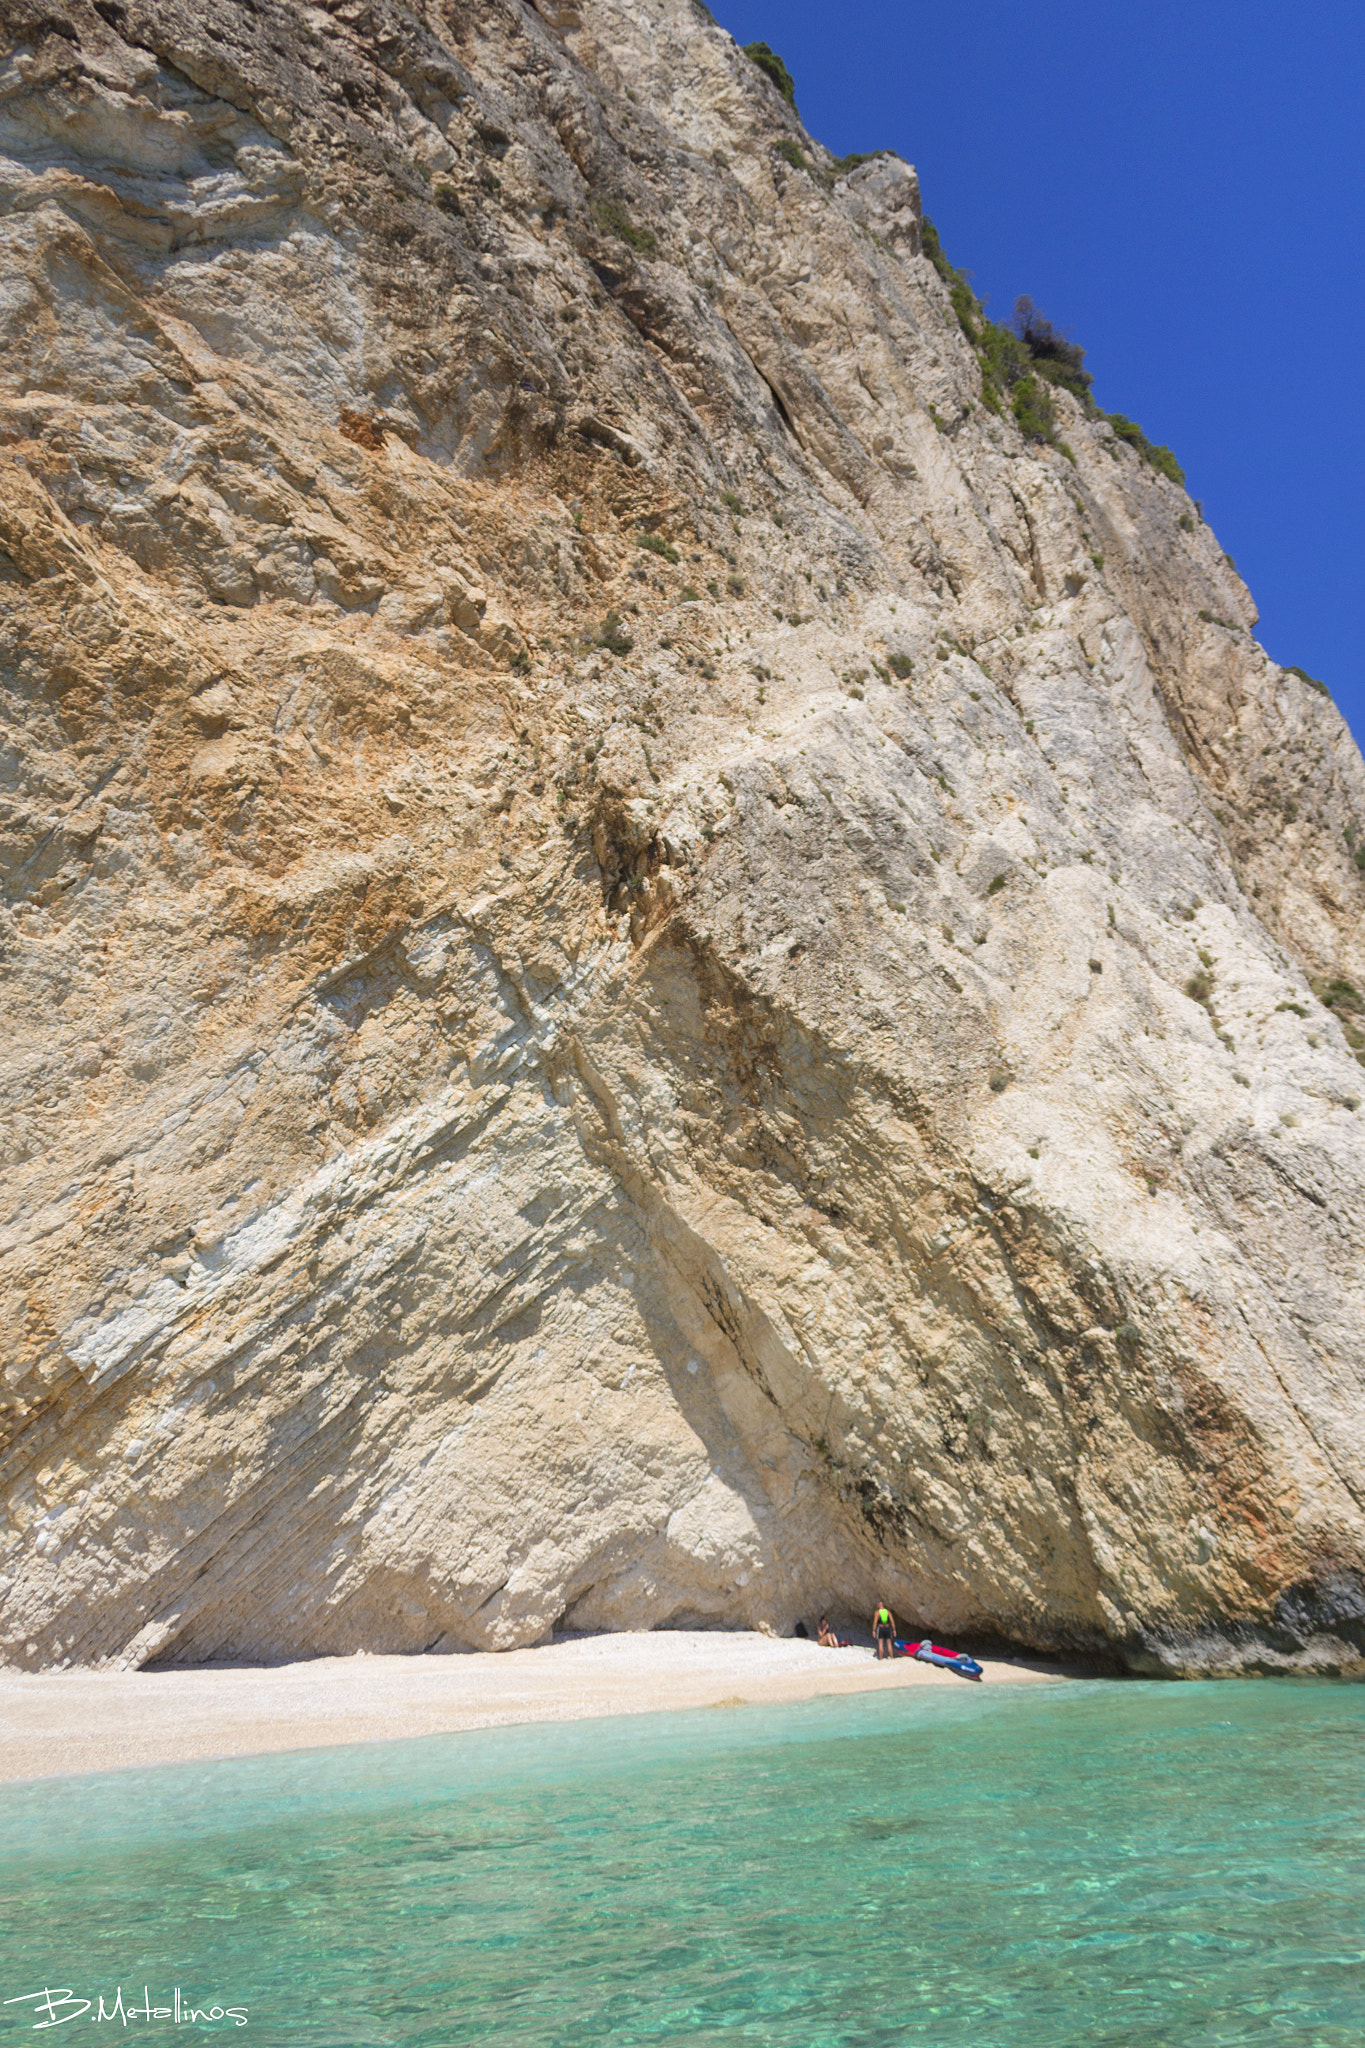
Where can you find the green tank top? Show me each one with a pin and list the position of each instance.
(883, 1617)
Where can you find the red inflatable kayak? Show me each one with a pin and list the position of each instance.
(934, 1653)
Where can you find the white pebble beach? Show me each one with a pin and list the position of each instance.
(54, 1724)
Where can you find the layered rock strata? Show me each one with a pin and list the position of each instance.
(656, 974)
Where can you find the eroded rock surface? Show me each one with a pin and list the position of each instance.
(655, 974)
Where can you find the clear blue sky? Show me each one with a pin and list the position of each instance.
(1180, 185)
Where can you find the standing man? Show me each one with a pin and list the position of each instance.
(883, 1629)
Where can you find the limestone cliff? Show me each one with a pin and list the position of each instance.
(655, 972)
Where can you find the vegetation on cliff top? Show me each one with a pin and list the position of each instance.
(1018, 362)
(1021, 361)
(772, 67)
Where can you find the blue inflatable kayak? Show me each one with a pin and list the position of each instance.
(934, 1653)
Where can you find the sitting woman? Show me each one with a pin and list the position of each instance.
(826, 1636)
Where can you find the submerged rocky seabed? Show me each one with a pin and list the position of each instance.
(1102, 1863)
(660, 972)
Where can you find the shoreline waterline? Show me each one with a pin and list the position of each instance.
(59, 1724)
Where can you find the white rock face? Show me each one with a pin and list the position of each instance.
(657, 974)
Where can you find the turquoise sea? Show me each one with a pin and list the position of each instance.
(1104, 1863)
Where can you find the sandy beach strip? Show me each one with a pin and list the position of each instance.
(57, 1723)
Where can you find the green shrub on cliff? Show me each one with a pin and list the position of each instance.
(1157, 458)
(612, 215)
(612, 635)
(1005, 367)
(1054, 357)
(967, 310)
(1347, 1005)
(1032, 409)
(1018, 362)
(933, 248)
(1341, 996)
(772, 67)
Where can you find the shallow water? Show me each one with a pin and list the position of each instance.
(1081, 1866)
